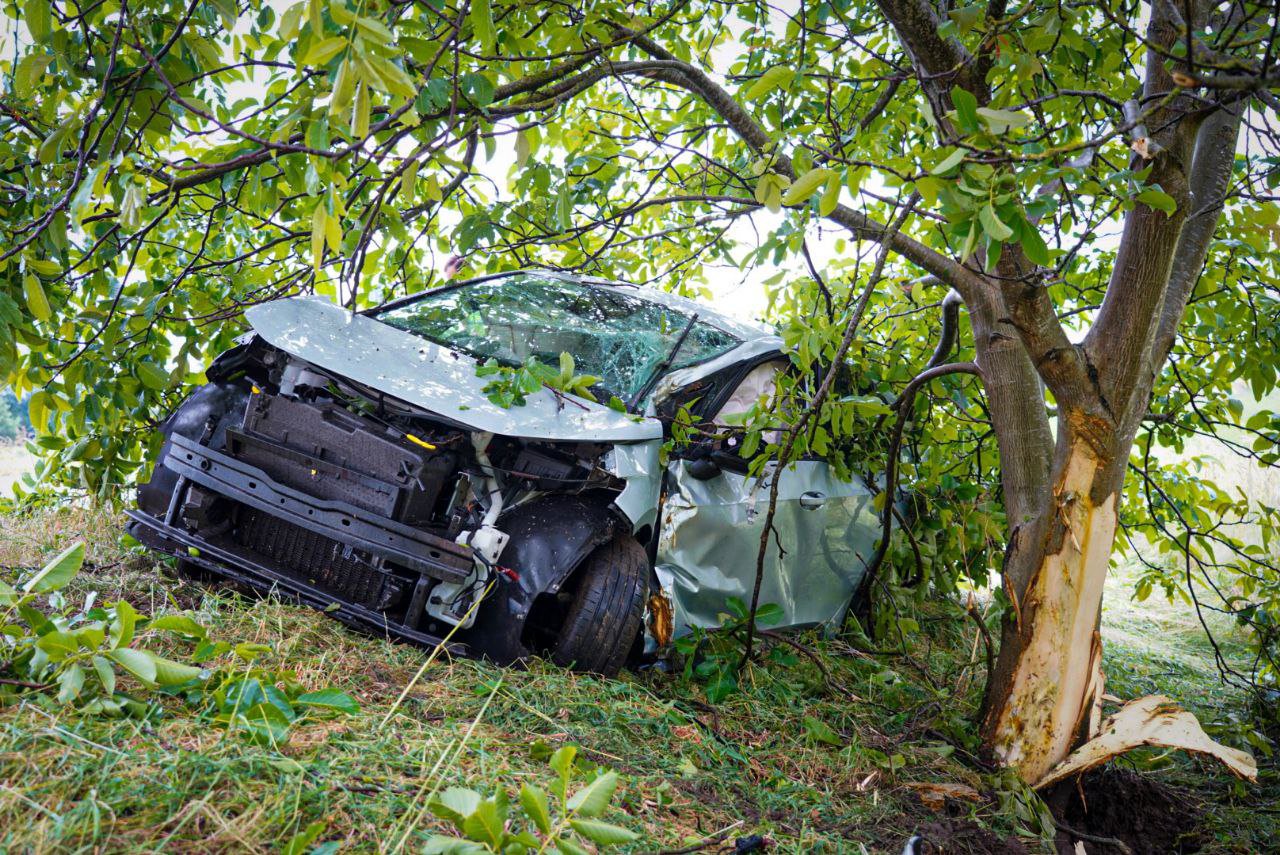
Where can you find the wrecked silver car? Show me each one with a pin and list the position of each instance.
(355, 462)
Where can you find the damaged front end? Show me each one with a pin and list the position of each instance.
(286, 476)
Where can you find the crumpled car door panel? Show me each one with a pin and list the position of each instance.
(710, 539)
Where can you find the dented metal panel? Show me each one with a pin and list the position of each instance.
(637, 464)
(711, 535)
(429, 376)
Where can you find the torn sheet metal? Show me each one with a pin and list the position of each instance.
(637, 464)
(711, 535)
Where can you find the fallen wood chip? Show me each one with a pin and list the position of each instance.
(934, 796)
(1153, 720)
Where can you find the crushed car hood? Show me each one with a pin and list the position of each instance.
(430, 376)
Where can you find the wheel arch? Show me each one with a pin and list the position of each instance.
(551, 537)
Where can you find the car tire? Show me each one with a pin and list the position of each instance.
(604, 618)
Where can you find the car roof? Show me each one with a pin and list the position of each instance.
(740, 329)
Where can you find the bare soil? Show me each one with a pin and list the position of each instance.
(959, 836)
(1149, 817)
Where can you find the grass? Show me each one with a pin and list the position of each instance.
(816, 766)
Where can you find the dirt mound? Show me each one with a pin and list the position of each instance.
(1151, 818)
(958, 836)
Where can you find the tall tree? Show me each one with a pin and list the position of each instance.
(1067, 169)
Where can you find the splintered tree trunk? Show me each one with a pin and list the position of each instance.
(1048, 682)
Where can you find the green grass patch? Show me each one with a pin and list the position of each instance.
(816, 763)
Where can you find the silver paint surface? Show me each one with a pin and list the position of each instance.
(637, 464)
(711, 535)
(427, 375)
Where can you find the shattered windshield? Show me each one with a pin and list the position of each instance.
(618, 337)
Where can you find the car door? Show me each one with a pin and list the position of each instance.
(710, 538)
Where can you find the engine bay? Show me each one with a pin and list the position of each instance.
(384, 507)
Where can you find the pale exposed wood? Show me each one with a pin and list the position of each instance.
(1049, 695)
(1153, 720)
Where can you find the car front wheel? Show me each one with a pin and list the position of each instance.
(603, 621)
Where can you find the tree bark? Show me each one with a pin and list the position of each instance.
(1044, 693)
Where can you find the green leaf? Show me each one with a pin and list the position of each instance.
(817, 730)
(44, 266)
(1033, 245)
(769, 190)
(229, 12)
(265, 724)
(342, 16)
(375, 30)
(966, 109)
(949, 162)
(778, 77)
(38, 16)
(58, 572)
(1001, 121)
(318, 222)
(170, 673)
(37, 301)
(443, 844)
(329, 699)
(291, 22)
(152, 375)
(535, 804)
(769, 614)
(324, 50)
(564, 208)
(562, 763)
(50, 150)
(455, 804)
(106, 675)
(481, 18)
(179, 624)
(592, 799)
(1159, 200)
(830, 195)
(602, 832)
(343, 86)
(966, 17)
(360, 111)
(526, 144)
(393, 78)
(29, 71)
(249, 651)
(806, 185)
(992, 225)
(485, 824)
(58, 644)
(136, 662)
(70, 682)
(122, 625)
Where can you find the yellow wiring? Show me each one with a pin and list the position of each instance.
(422, 442)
